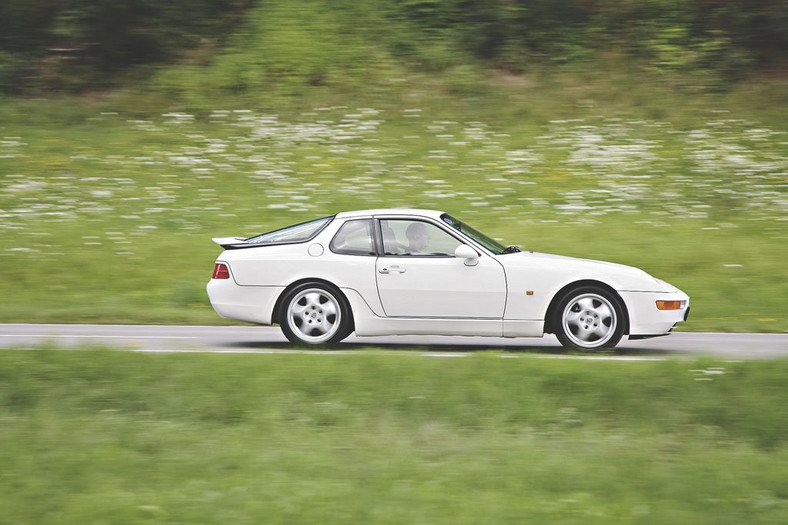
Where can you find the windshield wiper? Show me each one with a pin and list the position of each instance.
(512, 249)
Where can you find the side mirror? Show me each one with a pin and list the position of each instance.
(464, 251)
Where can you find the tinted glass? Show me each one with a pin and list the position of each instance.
(406, 237)
(354, 238)
(489, 243)
(297, 233)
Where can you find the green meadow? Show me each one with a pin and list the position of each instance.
(108, 204)
(646, 133)
(96, 436)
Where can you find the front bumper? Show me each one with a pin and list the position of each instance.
(645, 319)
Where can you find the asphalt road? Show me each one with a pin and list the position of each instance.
(256, 339)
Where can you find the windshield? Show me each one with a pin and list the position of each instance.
(489, 243)
(296, 233)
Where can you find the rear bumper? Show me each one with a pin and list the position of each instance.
(250, 304)
(645, 320)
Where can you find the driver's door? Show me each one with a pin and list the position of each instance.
(419, 276)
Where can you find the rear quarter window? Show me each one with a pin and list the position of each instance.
(354, 238)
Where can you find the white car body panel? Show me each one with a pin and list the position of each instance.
(545, 275)
(645, 319)
(502, 294)
(250, 304)
(441, 287)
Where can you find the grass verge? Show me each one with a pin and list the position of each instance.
(105, 436)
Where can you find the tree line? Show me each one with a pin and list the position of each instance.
(70, 45)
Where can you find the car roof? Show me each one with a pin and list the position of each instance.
(433, 214)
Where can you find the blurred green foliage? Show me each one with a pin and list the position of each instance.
(85, 44)
(568, 126)
(376, 437)
(75, 44)
(107, 217)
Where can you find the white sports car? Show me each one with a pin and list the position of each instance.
(403, 271)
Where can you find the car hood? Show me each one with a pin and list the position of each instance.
(620, 276)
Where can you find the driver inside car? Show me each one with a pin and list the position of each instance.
(418, 237)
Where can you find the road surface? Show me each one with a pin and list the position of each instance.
(258, 339)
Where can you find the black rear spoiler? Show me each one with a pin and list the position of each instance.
(233, 243)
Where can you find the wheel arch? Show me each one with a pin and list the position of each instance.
(276, 316)
(550, 313)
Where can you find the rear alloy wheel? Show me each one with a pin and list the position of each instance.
(315, 314)
(589, 318)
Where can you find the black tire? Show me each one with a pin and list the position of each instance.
(315, 314)
(589, 318)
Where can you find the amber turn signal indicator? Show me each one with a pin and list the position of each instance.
(669, 305)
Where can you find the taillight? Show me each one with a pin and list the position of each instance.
(221, 271)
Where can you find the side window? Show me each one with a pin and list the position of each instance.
(405, 237)
(354, 238)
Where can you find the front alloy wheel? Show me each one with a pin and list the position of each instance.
(589, 318)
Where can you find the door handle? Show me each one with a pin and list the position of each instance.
(392, 269)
